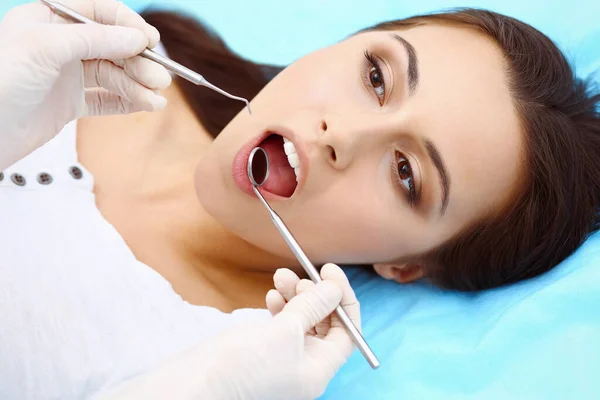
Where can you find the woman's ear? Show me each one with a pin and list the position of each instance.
(401, 273)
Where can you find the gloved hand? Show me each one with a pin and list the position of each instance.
(304, 346)
(54, 71)
(292, 356)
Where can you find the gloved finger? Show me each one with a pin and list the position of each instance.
(109, 12)
(150, 74)
(275, 302)
(100, 102)
(24, 16)
(350, 304)
(62, 44)
(322, 328)
(337, 346)
(104, 74)
(112, 12)
(302, 286)
(285, 281)
(312, 306)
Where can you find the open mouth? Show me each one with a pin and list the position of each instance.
(284, 165)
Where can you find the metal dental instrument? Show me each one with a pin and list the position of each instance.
(258, 172)
(169, 64)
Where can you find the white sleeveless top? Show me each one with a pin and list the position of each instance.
(78, 312)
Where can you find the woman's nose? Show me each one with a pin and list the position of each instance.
(340, 141)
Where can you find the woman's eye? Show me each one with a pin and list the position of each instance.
(375, 77)
(377, 82)
(405, 176)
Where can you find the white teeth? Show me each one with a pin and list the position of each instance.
(289, 148)
(294, 160)
(292, 156)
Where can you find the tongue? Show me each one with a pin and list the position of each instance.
(282, 179)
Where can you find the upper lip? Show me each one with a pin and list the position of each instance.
(301, 150)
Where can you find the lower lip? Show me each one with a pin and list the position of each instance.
(240, 169)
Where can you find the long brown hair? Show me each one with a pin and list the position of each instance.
(557, 207)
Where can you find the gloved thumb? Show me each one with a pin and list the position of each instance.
(312, 306)
(71, 42)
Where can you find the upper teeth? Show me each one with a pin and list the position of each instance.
(292, 156)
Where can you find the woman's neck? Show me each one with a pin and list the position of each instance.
(147, 193)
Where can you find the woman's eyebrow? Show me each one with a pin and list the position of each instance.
(413, 63)
(443, 176)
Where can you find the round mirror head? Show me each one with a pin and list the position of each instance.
(258, 166)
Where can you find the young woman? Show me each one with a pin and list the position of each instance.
(456, 147)
(459, 147)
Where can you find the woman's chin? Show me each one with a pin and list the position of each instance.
(221, 198)
(211, 188)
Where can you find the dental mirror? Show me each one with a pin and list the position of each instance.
(258, 166)
(258, 173)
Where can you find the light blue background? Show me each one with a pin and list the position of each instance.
(535, 340)
(279, 31)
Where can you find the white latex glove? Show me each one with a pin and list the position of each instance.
(54, 71)
(293, 356)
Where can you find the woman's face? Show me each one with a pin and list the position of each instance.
(403, 139)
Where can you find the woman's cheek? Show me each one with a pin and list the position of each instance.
(319, 80)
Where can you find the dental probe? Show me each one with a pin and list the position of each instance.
(169, 64)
